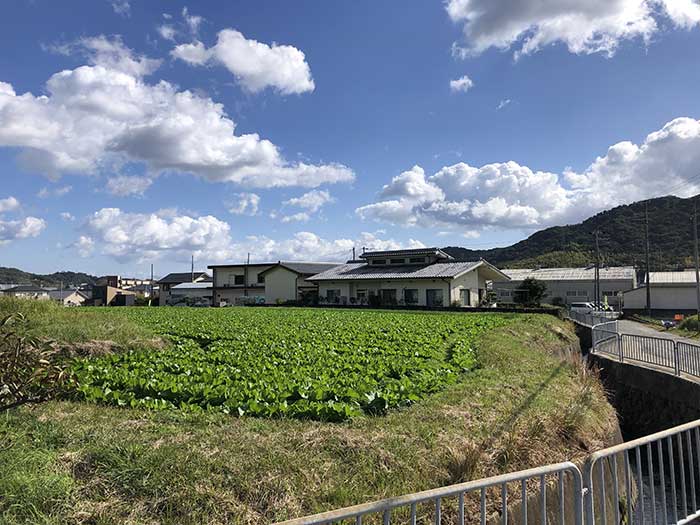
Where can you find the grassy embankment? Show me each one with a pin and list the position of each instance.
(76, 462)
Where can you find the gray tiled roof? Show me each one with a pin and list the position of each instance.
(412, 252)
(571, 274)
(685, 277)
(184, 277)
(366, 271)
(308, 268)
(31, 288)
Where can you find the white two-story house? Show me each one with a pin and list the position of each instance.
(416, 277)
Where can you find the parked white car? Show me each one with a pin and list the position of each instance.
(584, 308)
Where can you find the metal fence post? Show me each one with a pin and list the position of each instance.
(675, 359)
(619, 347)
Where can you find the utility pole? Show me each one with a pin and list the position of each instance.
(150, 295)
(245, 276)
(697, 261)
(596, 285)
(192, 269)
(646, 251)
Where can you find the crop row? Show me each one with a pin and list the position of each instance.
(320, 364)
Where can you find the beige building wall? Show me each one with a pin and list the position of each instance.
(226, 276)
(281, 285)
(662, 298)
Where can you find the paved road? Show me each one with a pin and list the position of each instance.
(657, 353)
(634, 328)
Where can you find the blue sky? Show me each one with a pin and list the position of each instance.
(141, 131)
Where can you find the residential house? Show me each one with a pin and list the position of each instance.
(27, 291)
(570, 285)
(287, 281)
(186, 294)
(264, 283)
(670, 293)
(111, 296)
(173, 279)
(420, 277)
(68, 297)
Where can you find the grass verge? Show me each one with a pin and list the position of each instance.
(72, 462)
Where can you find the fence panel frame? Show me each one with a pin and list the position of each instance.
(649, 445)
(384, 507)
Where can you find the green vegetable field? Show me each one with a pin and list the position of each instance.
(301, 363)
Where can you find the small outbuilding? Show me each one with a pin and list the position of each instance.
(671, 293)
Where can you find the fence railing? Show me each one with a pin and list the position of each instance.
(538, 495)
(676, 356)
(654, 479)
(661, 475)
(591, 318)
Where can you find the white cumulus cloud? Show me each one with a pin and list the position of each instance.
(312, 201)
(8, 204)
(126, 185)
(149, 236)
(246, 204)
(11, 230)
(95, 116)
(590, 26)
(255, 65)
(510, 195)
(461, 85)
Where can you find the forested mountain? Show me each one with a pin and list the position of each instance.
(621, 239)
(16, 276)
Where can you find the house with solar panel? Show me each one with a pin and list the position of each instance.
(570, 285)
(416, 277)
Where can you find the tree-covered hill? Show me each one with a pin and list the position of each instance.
(621, 239)
(16, 276)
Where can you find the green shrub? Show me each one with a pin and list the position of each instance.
(690, 323)
(30, 369)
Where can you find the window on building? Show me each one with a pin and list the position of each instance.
(417, 260)
(505, 293)
(582, 293)
(333, 296)
(239, 279)
(610, 293)
(465, 297)
(378, 261)
(361, 294)
(397, 261)
(388, 296)
(261, 279)
(410, 296)
(434, 297)
(571, 293)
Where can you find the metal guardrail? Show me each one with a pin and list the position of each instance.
(457, 503)
(676, 356)
(653, 479)
(661, 474)
(592, 318)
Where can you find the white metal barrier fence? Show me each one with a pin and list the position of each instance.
(660, 474)
(653, 479)
(591, 318)
(537, 495)
(676, 356)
